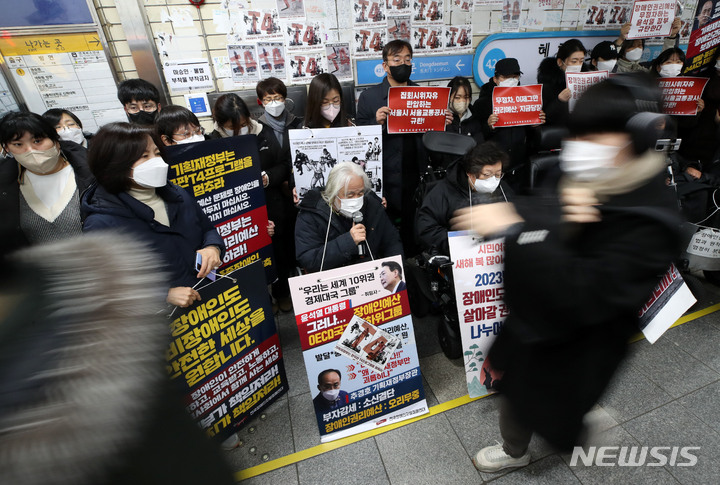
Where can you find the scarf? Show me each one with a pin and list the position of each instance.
(278, 126)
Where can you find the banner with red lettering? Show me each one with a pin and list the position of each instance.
(517, 106)
(478, 272)
(358, 343)
(681, 94)
(670, 299)
(415, 109)
(705, 36)
(651, 18)
(579, 82)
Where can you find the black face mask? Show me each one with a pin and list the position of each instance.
(143, 117)
(401, 73)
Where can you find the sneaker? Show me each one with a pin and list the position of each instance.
(231, 443)
(493, 459)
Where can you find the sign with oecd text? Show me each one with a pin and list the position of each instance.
(529, 48)
(431, 68)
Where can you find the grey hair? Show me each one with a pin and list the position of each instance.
(339, 177)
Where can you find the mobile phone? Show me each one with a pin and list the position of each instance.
(212, 276)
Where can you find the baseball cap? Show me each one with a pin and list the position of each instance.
(507, 67)
(605, 49)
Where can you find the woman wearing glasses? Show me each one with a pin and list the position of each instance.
(324, 107)
(176, 125)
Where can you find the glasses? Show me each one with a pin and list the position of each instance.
(485, 176)
(188, 134)
(335, 102)
(270, 99)
(150, 106)
(396, 61)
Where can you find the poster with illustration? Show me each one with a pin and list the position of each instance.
(338, 60)
(243, 63)
(271, 57)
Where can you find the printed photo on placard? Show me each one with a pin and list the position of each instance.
(399, 28)
(291, 8)
(301, 35)
(272, 59)
(338, 60)
(367, 344)
(243, 63)
(369, 42)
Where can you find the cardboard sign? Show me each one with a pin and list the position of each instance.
(651, 18)
(579, 82)
(225, 353)
(517, 106)
(478, 272)
(417, 109)
(681, 94)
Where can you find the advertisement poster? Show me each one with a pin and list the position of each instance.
(670, 299)
(517, 106)
(415, 109)
(705, 35)
(651, 18)
(225, 353)
(315, 152)
(338, 61)
(243, 63)
(224, 177)
(358, 343)
(272, 59)
(478, 272)
(681, 94)
(579, 82)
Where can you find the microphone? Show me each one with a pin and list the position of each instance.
(357, 219)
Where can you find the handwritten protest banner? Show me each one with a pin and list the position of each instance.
(680, 94)
(651, 18)
(358, 343)
(478, 272)
(579, 82)
(224, 177)
(517, 106)
(225, 352)
(415, 109)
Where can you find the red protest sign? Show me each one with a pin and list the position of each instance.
(415, 109)
(680, 94)
(651, 18)
(517, 106)
(701, 47)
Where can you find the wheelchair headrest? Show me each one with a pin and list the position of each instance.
(550, 137)
(448, 142)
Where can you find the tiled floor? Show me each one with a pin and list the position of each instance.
(666, 394)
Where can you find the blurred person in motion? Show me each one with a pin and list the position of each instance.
(84, 395)
(578, 267)
(133, 195)
(41, 180)
(343, 224)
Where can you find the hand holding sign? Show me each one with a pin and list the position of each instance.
(517, 106)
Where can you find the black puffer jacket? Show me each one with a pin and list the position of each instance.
(553, 80)
(341, 250)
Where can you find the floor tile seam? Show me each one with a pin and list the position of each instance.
(667, 391)
(672, 399)
(377, 447)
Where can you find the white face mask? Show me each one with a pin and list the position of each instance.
(585, 161)
(39, 161)
(460, 107)
(330, 111)
(633, 55)
(510, 82)
(245, 130)
(350, 206)
(577, 68)
(331, 395)
(670, 70)
(151, 174)
(487, 186)
(72, 134)
(190, 139)
(606, 65)
(275, 108)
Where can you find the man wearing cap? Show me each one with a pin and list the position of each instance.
(603, 57)
(512, 139)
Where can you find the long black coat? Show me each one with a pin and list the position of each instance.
(312, 225)
(574, 293)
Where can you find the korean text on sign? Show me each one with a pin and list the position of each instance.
(415, 109)
(517, 106)
(681, 94)
(651, 18)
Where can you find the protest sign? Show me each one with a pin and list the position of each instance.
(670, 299)
(224, 177)
(415, 109)
(225, 352)
(705, 36)
(703, 251)
(316, 151)
(478, 272)
(356, 329)
(517, 106)
(578, 82)
(680, 94)
(651, 18)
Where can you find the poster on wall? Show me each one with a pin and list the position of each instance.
(511, 15)
(369, 42)
(478, 272)
(302, 35)
(306, 65)
(315, 152)
(399, 28)
(243, 63)
(261, 24)
(368, 13)
(358, 343)
(225, 354)
(7, 100)
(272, 59)
(223, 176)
(338, 60)
(67, 71)
(458, 38)
(291, 8)
(398, 7)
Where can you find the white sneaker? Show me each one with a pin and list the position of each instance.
(231, 443)
(493, 459)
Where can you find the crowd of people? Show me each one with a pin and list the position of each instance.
(59, 181)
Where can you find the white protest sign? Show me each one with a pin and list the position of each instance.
(651, 18)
